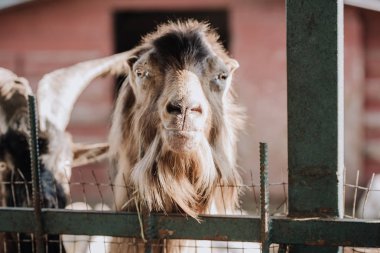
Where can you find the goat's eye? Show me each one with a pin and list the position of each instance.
(139, 73)
(218, 83)
(142, 73)
(222, 76)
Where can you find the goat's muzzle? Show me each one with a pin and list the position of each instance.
(185, 113)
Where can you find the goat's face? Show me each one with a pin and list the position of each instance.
(175, 123)
(182, 83)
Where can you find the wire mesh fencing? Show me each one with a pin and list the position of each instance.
(92, 188)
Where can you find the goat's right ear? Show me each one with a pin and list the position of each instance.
(135, 55)
(132, 60)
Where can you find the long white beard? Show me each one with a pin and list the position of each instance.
(164, 179)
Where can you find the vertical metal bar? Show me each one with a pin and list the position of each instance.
(35, 167)
(148, 231)
(264, 199)
(315, 110)
(282, 248)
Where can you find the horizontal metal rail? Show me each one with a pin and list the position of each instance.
(316, 232)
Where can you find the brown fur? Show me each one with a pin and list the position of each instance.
(166, 174)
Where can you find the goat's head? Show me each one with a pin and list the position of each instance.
(175, 120)
(179, 81)
(14, 91)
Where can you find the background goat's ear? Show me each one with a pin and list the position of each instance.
(58, 91)
(84, 154)
(232, 65)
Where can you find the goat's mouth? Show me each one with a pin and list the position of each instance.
(181, 141)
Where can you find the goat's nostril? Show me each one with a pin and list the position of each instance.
(174, 108)
(197, 109)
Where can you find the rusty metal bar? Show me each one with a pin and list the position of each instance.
(264, 199)
(282, 248)
(149, 232)
(315, 110)
(35, 167)
(315, 127)
(308, 231)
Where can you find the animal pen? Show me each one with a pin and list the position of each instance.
(315, 220)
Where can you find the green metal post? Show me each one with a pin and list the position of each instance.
(35, 167)
(264, 199)
(315, 110)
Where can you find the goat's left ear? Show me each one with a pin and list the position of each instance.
(232, 65)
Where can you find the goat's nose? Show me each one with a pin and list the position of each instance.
(176, 108)
(195, 108)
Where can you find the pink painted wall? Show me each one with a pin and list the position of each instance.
(372, 92)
